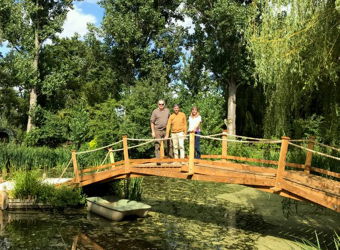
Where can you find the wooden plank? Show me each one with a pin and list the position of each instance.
(75, 166)
(154, 165)
(162, 149)
(326, 172)
(75, 242)
(282, 163)
(321, 198)
(216, 169)
(309, 155)
(239, 158)
(281, 193)
(295, 165)
(86, 241)
(312, 181)
(245, 180)
(89, 175)
(191, 152)
(233, 165)
(100, 176)
(112, 159)
(224, 144)
(158, 172)
(141, 161)
(126, 153)
(102, 167)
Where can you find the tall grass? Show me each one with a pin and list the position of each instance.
(129, 188)
(28, 185)
(308, 245)
(14, 157)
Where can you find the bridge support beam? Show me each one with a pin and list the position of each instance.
(309, 155)
(162, 149)
(191, 153)
(75, 166)
(112, 158)
(126, 154)
(224, 144)
(281, 164)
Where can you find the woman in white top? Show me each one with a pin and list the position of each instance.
(194, 125)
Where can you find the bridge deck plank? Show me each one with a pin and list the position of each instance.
(313, 182)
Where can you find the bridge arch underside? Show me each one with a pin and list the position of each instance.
(296, 184)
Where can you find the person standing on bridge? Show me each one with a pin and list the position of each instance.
(158, 122)
(194, 125)
(178, 124)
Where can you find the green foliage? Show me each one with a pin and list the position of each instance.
(293, 46)
(28, 184)
(15, 157)
(129, 188)
(61, 198)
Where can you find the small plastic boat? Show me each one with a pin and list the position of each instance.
(116, 209)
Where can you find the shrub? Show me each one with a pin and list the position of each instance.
(28, 184)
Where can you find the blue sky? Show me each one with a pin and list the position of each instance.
(87, 11)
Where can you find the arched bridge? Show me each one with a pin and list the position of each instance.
(302, 182)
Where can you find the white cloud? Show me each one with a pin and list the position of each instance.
(76, 22)
(187, 23)
(91, 1)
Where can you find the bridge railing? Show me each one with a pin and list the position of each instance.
(281, 164)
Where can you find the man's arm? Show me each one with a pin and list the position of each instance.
(152, 129)
(168, 128)
(185, 124)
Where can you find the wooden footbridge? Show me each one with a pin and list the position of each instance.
(302, 182)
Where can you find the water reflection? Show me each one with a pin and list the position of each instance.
(81, 242)
(185, 215)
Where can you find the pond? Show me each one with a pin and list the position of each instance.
(185, 215)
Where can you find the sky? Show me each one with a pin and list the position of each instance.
(87, 11)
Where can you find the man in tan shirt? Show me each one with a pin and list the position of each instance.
(158, 122)
(178, 124)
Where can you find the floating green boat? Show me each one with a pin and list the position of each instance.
(116, 209)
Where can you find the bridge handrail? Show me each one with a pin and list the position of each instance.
(239, 136)
(313, 151)
(319, 143)
(231, 140)
(96, 149)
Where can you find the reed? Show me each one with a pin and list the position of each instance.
(129, 188)
(29, 185)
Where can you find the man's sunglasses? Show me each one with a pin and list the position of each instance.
(161, 104)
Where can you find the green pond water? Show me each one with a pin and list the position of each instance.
(185, 214)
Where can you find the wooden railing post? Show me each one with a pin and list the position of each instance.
(126, 154)
(75, 166)
(281, 164)
(309, 155)
(112, 158)
(162, 150)
(224, 144)
(191, 152)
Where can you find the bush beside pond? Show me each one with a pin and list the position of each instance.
(28, 184)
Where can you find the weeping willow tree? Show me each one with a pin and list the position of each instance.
(295, 45)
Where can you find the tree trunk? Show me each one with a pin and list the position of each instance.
(33, 92)
(231, 122)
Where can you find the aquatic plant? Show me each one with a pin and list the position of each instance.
(308, 245)
(129, 188)
(28, 184)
